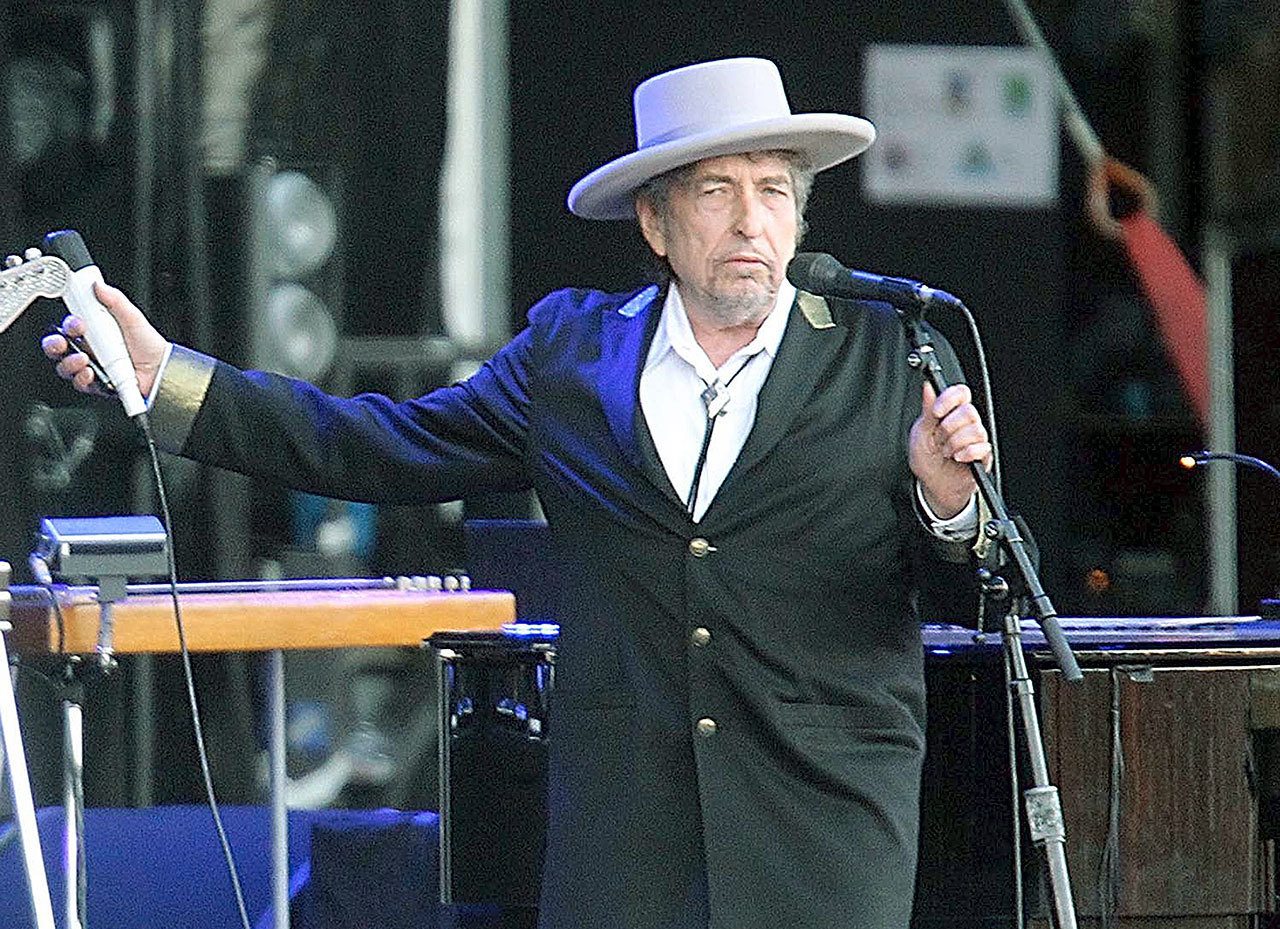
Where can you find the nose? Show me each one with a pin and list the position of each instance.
(751, 215)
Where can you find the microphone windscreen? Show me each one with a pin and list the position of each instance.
(816, 272)
(69, 246)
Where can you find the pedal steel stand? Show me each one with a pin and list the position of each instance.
(111, 589)
(109, 549)
(19, 780)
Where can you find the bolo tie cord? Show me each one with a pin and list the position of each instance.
(715, 407)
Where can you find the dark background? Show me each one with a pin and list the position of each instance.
(1091, 417)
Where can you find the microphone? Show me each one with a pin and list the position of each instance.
(1199, 459)
(820, 274)
(101, 330)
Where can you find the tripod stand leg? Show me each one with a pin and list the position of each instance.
(20, 784)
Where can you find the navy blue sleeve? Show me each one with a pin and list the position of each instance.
(471, 437)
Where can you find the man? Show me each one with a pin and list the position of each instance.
(737, 491)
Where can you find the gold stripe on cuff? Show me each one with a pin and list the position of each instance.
(179, 396)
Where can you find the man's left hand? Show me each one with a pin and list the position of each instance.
(947, 437)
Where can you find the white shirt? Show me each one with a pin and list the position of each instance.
(675, 374)
(677, 371)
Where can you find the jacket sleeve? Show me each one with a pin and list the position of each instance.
(471, 437)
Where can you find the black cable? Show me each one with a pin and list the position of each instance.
(989, 407)
(189, 676)
(1011, 726)
(1198, 459)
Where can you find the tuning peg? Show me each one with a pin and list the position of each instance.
(12, 261)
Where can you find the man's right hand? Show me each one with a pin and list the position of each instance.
(146, 345)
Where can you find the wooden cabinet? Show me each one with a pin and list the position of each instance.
(1160, 789)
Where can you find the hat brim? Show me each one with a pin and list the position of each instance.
(826, 139)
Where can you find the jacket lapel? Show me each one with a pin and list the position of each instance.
(812, 340)
(625, 335)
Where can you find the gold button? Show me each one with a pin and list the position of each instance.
(700, 636)
(706, 727)
(699, 547)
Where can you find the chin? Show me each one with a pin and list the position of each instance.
(744, 306)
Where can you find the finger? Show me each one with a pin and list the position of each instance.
(962, 417)
(975, 451)
(54, 346)
(927, 400)
(955, 396)
(71, 366)
(83, 379)
(961, 441)
(73, 326)
(112, 298)
(958, 438)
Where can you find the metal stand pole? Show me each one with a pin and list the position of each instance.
(1043, 807)
(1044, 811)
(279, 808)
(1220, 501)
(19, 779)
(73, 801)
(1002, 528)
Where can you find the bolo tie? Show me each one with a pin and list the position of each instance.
(715, 399)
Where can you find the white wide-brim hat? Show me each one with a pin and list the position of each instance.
(714, 108)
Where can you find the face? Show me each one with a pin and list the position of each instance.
(729, 231)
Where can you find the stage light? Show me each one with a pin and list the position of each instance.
(297, 335)
(296, 278)
(302, 224)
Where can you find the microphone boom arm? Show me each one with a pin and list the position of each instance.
(1002, 529)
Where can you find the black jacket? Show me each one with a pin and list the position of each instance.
(764, 775)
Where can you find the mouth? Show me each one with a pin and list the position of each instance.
(744, 262)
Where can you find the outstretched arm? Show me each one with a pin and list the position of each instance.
(458, 440)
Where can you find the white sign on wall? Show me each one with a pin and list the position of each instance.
(960, 126)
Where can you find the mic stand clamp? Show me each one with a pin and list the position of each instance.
(1043, 808)
(111, 590)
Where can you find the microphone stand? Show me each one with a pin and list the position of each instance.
(1043, 807)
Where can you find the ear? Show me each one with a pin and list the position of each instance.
(651, 226)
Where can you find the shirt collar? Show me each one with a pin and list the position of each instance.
(674, 334)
